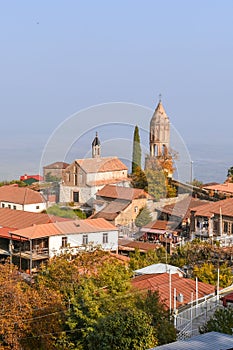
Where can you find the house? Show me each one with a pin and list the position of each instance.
(41, 242)
(11, 220)
(180, 212)
(224, 190)
(213, 220)
(84, 177)
(54, 170)
(174, 291)
(30, 179)
(211, 340)
(120, 205)
(160, 232)
(21, 198)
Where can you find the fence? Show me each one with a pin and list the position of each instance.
(187, 322)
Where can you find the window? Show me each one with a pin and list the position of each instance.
(64, 242)
(76, 197)
(3, 205)
(37, 207)
(105, 238)
(136, 209)
(9, 206)
(231, 228)
(225, 227)
(85, 239)
(14, 207)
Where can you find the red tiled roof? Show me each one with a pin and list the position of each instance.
(98, 165)
(125, 244)
(67, 227)
(36, 177)
(160, 283)
(120, 192)
(225, 188)
(19, 195)
(18, 219)
(56, 165)
(160, 225)
(225, 206)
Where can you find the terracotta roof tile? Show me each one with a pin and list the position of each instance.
(66, 227)
(211, 208)
(98, 165)
(18, 219)
(160, 283)
(20, 195)
(142, 246)
(225, 188)
(120, 192)
(160, 225)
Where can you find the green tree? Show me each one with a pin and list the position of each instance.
(196, 183)
(51, 178)
(124, 329)
(157, 183)
(222, 321)
(139, 179)
(139, 260)
(143, 217)
(151, 304)
(136, 156)
(208, 273)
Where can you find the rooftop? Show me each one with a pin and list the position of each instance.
(19, 195)
(18, 219)
(159, 268)
(224, 188)
(98, 165)
(66, 227)
(182, 207)
(211, 340)
(120, 192)
(184, 286)
(225, 207)
(112, 210)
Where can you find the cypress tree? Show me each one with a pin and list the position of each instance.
(136, 157)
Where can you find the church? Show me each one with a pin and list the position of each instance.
(84, 177)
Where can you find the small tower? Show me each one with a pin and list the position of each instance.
(96, 148)
(159, 133)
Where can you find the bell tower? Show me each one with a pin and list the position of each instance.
(159, 133)
(160, 156)
(96, 147)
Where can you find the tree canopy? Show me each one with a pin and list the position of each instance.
(137, 153)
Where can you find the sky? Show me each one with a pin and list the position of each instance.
(62, 57)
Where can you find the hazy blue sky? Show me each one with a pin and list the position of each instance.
(58, 57)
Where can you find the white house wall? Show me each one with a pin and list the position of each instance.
(34, 208)
(75, 241)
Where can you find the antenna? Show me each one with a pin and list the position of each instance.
(160, 97)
